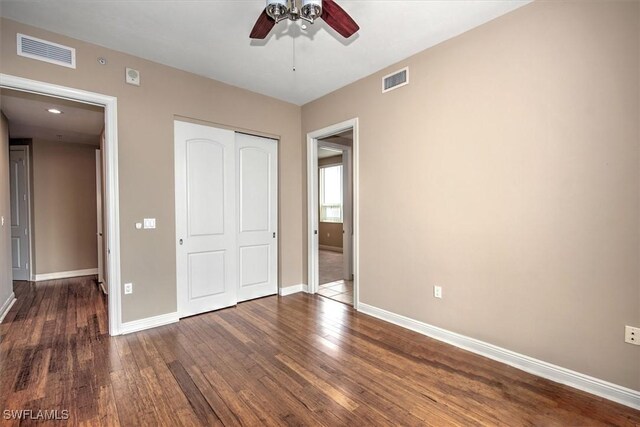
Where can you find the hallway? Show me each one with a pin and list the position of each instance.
(332, 283)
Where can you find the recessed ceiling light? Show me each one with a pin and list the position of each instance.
(54, 111)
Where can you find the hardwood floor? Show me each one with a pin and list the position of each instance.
(296, 360)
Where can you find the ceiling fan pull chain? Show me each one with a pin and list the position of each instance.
(294, 53)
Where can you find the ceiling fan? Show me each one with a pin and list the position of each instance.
(328, 10)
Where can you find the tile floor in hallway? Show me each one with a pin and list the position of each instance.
(340, 290)
(332, 284)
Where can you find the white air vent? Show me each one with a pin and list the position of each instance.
(47, 51)
(395, 80)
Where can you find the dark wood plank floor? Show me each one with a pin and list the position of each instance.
(297, 360)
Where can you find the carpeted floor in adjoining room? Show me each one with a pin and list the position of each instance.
(331, 267)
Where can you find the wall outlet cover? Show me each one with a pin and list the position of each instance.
(632, 335)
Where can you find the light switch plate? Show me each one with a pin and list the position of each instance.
(437, 291)
(128, 288)
(2, 221)
(149, 223)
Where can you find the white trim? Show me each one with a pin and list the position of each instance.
(528, 364)
(7, 306)
(66, 274)
(312, 198)
(331, 248)
(283, 292)
(148, 323)
(112, 222)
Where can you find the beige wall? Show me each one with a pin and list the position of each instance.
(330, 234)
(6, 284)
(509, 167)
(145, 137)
(64, 206)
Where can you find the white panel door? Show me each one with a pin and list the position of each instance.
(99, 231)
(347, 214)
(257, 172)
(205, 218)
(19, 213)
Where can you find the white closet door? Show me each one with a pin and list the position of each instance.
(257, 177)
(205, 218)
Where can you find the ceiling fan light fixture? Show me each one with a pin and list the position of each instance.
(276, 9)
(311, 9)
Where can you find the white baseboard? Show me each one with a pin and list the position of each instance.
(66, 274)
(293, 290)
(148, 323)
(330, 248)
(617, 393)
(7, 306)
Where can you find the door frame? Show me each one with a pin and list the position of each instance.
(312, 205)
(27, 155)
(347, 208)
(110, 162)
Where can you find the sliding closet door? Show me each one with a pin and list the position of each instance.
(257, 177)
(205, 218)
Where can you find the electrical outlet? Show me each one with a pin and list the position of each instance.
(149, 223)
(437, 291)
(128, 288)
(632, 335)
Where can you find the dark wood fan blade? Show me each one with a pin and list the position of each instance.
(338, 19)
(263, 25)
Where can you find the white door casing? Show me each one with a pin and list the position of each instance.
(112, 218)
(312, 203)
(205, 218)
(19, 195)
(347, 215)
(257, 204)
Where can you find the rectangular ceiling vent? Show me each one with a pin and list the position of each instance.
(395, 80)
(47, 51)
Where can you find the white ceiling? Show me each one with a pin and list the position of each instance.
(211, 37)
(28, 118)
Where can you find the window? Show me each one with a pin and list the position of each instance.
(331, 194)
